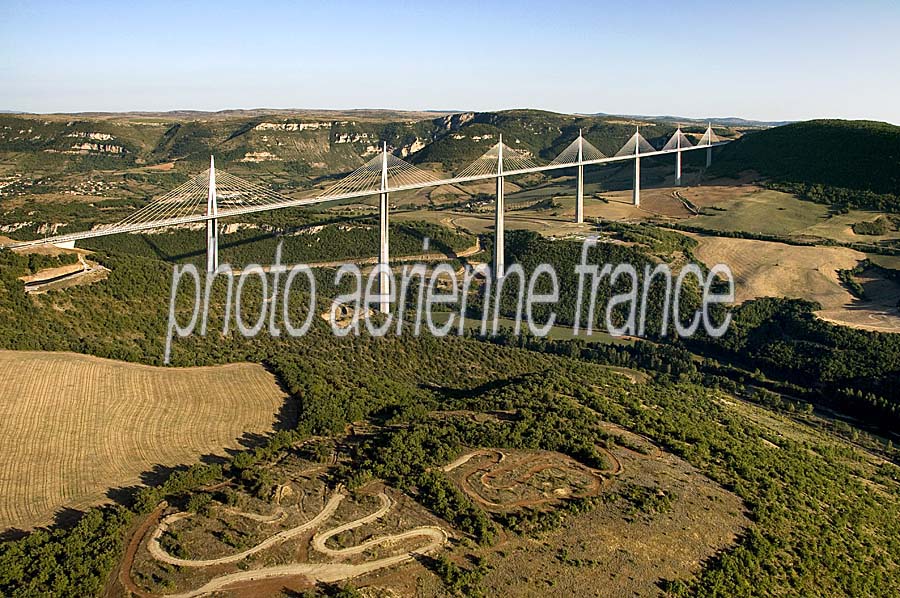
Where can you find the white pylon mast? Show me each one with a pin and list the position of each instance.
(678, 157)
(384, 253)
(212, 228)
(579, 194)
(709, 137)
(499, 259)
(636, 194)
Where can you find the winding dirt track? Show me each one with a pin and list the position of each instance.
(500, 467)
(320, 572)
(319, 539)
(462, 460)
(157, 552)
(437, 535)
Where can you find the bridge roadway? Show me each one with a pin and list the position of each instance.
(228, 212)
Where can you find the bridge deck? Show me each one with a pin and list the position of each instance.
(237, 211)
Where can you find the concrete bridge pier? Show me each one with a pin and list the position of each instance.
(384, 251)
(212, 224)
(678, 168)
(499, 255)
(636, 193)
(579, 195)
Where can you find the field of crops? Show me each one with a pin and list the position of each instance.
(75, 427)
(767, 269)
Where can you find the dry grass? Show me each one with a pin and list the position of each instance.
(754, 209)
(614, 551)
(885, 261)
(767, 269)
(76, 426)
(511, 479)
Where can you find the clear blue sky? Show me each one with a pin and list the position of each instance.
(771, 60)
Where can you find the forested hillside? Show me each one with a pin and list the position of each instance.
(551, 402)
(855, 372)
(554, 394)
(854, 163)
(295, 148)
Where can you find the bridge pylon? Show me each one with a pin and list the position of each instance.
(579, 189)
(636, 146)
(384, 250)
(577, 154)
(499, 254)
(636, 193)
(212, 224)
(678, 143)
(709, 139)
(678, 158)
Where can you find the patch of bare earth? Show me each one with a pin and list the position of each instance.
(322, 534)
(504, 480)
(616, 549)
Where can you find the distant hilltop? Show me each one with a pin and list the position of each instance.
(723, 121)
(729, 121)
(307, 144)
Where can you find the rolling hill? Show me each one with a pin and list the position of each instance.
(297, 145)
(854, 155)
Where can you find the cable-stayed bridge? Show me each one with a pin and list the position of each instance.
(216, 194)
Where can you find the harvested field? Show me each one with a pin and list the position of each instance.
(754, 209)
(75, 426)
(767, 269)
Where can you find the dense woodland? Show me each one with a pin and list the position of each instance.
(853, 371)
(857, 161)
(530, 250)
(841, 199)
(314, 242)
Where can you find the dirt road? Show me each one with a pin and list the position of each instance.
(157, 552)
(319, 572)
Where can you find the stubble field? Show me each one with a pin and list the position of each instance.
(75, 427)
